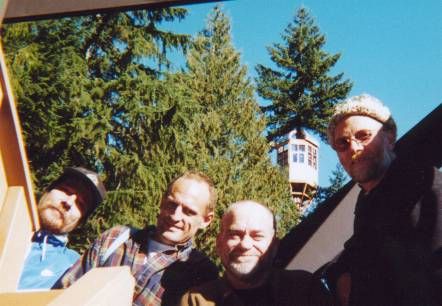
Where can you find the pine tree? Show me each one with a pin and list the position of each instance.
(300, 89)
(93, 91)
(48, 76)
(225, 138)
(100, 95)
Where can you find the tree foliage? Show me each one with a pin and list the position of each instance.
(225, 138)
(300, 89)
(92, 91)
(97, 91)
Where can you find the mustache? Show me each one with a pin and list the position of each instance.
(356, 156)
(360, 156)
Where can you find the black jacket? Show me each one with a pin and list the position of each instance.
(395, 254)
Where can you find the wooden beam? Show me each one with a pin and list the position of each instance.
(15, 238)
(34, 298)
(15, 161)
(20, 10)
(100, 286)
(3, 5)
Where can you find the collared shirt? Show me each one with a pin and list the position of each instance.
(46, 262)
(160, 279)
(154, 247)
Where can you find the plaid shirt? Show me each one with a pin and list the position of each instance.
(160, 279)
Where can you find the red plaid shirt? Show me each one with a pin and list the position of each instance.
(160, 279)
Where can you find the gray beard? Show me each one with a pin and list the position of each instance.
(259, 273)
(376, 172)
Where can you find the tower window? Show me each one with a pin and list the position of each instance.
(283, 158)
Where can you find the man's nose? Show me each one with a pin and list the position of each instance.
(177, 214)
(355, 145)
(69, 201)
(246, 242)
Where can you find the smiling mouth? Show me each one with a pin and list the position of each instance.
(242, 258)
(173, 227)
(59, 212)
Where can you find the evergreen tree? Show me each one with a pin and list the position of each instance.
(93, 91)
(300, 89)
(48, 77)
(225, 138)
(100, 95)
(337, 180)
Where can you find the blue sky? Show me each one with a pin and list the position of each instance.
(389, 49)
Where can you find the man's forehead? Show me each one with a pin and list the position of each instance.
(253, 219)
(77, 187)
(190, 187)
(356, 122)
(190, 192)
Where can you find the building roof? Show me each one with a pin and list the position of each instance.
(421, 143)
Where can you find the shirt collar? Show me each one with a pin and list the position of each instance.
(155, 246)
(53, 239)
(158, 247)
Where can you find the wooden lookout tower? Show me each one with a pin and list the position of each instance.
(300, 156)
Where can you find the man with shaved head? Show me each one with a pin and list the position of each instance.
(161, 258)
(246, 246)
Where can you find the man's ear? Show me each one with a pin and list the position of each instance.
(207, 219)
(391, 139)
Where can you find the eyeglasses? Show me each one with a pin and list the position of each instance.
(362, 137)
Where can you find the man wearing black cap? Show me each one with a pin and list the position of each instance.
(66, 203)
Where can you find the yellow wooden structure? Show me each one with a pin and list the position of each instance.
(18, 221)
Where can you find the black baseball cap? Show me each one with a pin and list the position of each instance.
(88, 178)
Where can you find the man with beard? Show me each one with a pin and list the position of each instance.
(65, 204)
(160, 258)
(395, 254)
(246, 246)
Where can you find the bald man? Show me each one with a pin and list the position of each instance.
(247, 245)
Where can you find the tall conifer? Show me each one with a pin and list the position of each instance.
(93, 91)
(226, 135)
(300, 89)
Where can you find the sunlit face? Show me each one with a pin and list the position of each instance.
(245, 244)
(61, 208)
(183, 212)
(369, 149)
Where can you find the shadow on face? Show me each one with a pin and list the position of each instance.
(62, 208)
(183, 211)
